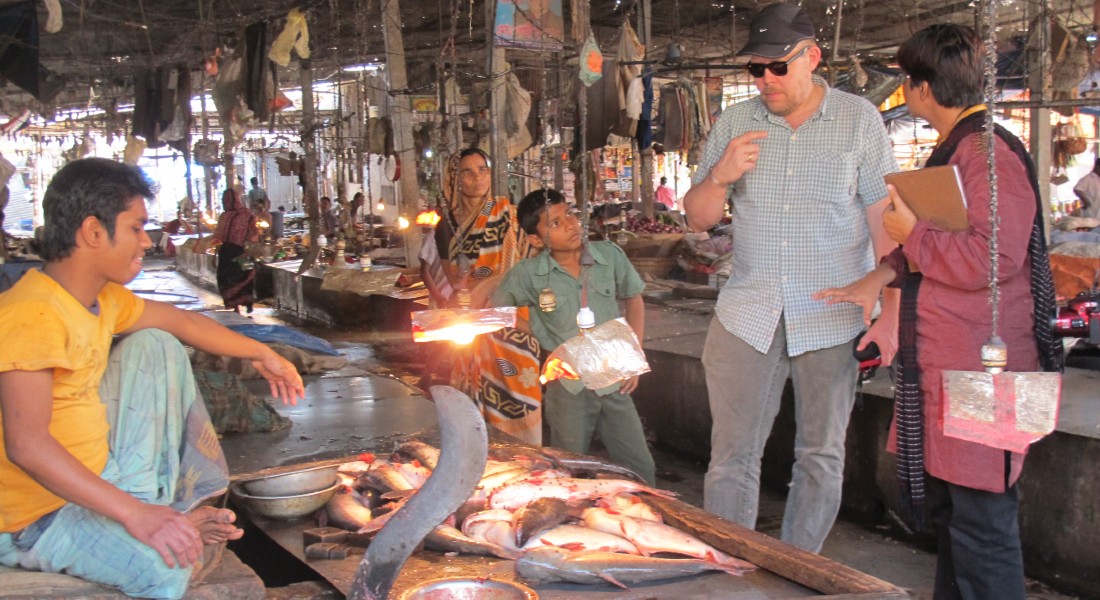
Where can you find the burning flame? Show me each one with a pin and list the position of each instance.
(402, 223)
(428, 218)
(459, 326)
(262, 224)
(459, 333)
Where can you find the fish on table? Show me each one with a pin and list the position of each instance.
(532, 508)
(552, 564)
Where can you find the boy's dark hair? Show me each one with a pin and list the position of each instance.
(949, 58)
(533, 205)
(255, 181)
(89, 187)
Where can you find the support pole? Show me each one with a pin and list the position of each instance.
(1040, 84)
(498, 106)
(643, 157)
(308, 173)
(401, 113)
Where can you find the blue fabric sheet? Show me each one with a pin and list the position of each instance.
(280, 334)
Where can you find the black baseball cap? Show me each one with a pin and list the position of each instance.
(776, 29)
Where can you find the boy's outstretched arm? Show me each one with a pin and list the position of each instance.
(206, 334)
(26, 403)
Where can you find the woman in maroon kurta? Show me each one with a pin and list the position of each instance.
(946, 317)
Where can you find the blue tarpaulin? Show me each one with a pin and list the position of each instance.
(284, 335)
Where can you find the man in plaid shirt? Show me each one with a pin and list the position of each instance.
(804, 165)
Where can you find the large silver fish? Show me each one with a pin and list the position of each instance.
(514, 496)
(538, 516)
(385, 478)
(651, 537)
(417, 450)
(493, 526)
(575, 537)
(347, 511)
(448, 539)
(550, 564)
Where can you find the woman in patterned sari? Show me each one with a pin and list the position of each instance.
(476, 242)
(236, 227)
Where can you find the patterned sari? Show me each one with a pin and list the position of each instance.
(499, 370)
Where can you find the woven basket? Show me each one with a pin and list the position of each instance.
(658, 268)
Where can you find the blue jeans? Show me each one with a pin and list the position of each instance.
(163, 450)
(979, 542)
(745, 389)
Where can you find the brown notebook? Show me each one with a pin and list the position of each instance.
(934, 194)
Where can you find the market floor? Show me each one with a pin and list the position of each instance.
(869, 549)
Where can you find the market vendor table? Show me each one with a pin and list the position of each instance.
(784, 571)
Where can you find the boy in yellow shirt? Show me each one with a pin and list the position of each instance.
(107, 455)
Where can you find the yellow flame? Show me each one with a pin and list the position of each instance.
(262, 224)
(402, 223)
(460, 333)
(429, 218)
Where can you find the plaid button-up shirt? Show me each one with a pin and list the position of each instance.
(799, 218)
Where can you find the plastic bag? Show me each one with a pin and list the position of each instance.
(601, 356)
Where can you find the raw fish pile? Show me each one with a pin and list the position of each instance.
(534, 507)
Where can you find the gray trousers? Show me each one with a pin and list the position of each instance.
(575, 418)
(745, 389)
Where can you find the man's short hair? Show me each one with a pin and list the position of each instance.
(664, 180)
(533, 205)
(89, 187)
(949, 58)
(255, 181)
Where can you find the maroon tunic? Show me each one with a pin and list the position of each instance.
(954, 317)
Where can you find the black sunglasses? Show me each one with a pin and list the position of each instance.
(778, 68)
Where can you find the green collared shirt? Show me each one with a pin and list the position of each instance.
(611, 279)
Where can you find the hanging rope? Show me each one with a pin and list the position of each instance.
(989, 18)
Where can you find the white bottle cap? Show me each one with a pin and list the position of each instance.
(586, 319)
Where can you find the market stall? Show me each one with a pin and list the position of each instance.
(782, 571)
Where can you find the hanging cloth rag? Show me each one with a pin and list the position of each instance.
(517, 109)
(294, 36)
(19, 48)
(644, 133)
(154, 104)
(630, 50)
(53, 20)
(254, 78)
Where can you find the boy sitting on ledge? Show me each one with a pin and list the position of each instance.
(107, 456)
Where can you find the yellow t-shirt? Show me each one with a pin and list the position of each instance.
(44, 327)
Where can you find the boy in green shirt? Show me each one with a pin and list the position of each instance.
(574, 414)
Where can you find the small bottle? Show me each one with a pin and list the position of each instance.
(322, 241)
(364, 262)
(586, 319)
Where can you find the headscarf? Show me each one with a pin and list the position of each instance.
(489, 236)
(237, 225)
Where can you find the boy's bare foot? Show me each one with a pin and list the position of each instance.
(215, 525)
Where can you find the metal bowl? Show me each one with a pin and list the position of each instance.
(294, 483)
(285, 507)
(466, 588)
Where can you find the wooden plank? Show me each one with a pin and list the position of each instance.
(811, 570)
